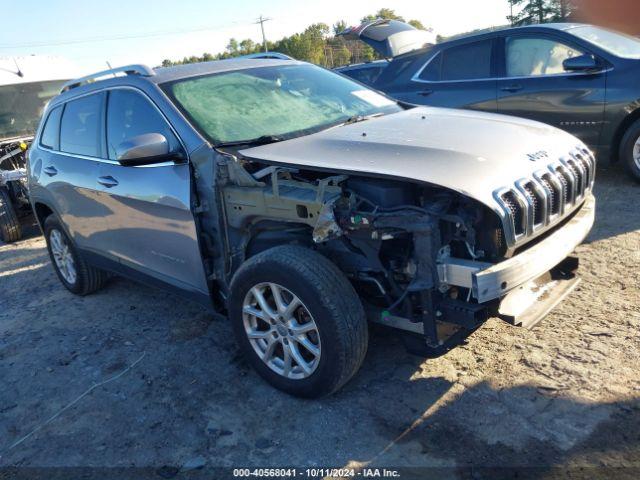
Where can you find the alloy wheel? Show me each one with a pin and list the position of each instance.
(281, 330)
(636, 153)
(62, 256)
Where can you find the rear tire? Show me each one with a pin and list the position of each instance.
(630, 150)
(10, 230)
(320, 342)
(73, 271)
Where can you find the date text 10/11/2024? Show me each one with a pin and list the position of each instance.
(316, 473)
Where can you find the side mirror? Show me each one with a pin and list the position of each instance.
(582, 63)
(145, 149)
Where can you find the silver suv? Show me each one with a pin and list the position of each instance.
(303, 205)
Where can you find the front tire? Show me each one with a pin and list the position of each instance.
(73, 271)
(298, 321)
(10, 230)
(630, 150)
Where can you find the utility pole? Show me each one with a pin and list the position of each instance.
(261, 21)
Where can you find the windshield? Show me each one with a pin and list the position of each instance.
(282, 101)
(21, 106)
(619, 44)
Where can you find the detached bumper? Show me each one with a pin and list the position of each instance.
(490, 281)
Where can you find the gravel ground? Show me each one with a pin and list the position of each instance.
(132, 376)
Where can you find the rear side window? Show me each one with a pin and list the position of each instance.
(130, 114)
(431, 72)
(467, 62)
(50, 137)
(80, 126)
(366, 75)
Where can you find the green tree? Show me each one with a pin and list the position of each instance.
(540, 11)
(247, 46)
(318, 44)
(308, 45)
(339, 27)
(232, 46)
(564, 9)
(386, 13)
(417, 24)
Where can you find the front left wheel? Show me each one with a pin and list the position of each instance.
(298, 321)
(73, 271)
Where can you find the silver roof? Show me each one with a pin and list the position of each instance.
(168, 74)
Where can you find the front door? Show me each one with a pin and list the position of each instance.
(151, 225)
(536, 86)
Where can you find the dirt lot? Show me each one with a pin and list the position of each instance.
(132, 376)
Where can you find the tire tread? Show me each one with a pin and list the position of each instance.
(10, 229)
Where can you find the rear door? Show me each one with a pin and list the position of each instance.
(67, 160)
(151, 225)
(536, 86)
(460, 76)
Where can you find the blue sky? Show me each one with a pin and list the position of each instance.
(84, 31)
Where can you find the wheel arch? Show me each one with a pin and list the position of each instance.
(629, 120)
(268, 234)
(42, 211)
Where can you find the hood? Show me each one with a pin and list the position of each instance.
(468, 152)
(390, 38)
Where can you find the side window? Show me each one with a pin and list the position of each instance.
(467, 62)
(130, 114)
(50, 137)
(80, 126)
(431, 72)
(527, 56)
(366, 75)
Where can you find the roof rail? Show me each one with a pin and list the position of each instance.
(267, 55)
(141, 70)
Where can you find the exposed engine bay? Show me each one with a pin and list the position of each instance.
(388, 236)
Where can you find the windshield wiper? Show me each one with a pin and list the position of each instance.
(360, 118)
(262, 140)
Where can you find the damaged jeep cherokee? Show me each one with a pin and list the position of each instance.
(303, 204)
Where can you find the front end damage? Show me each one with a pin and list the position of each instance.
(425, 260)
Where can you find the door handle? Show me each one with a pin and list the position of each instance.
(511, 88)
(50, 170)
(425, 93)
(108, 181)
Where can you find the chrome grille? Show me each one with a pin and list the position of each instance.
(554, 192)
(564, 185)
(516, 211)
(532, 204)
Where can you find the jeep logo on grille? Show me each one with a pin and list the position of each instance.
(534, 157)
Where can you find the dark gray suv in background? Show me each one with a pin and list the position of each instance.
(302, 204)
(581, 78)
